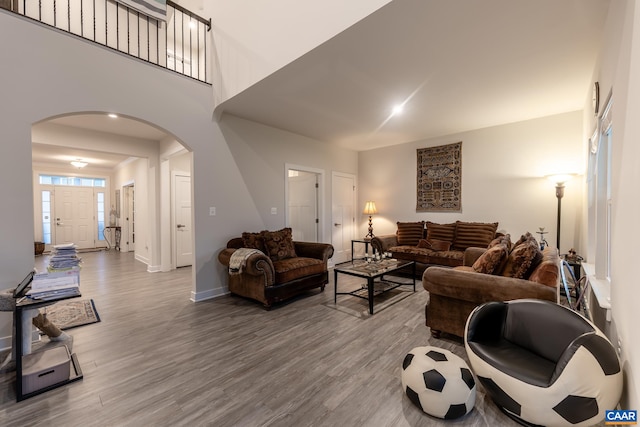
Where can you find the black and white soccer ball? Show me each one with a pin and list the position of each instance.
(438, 382)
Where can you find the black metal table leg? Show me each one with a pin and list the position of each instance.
(370, 289)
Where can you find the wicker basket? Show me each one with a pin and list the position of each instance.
(39, 248)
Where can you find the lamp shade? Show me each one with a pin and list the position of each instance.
(560, 178)
(370, 208)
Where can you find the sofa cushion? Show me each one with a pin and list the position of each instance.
(548, 271)
(522, 260)
(253, 241)
(279, 244)
(492, 260)
(410, 233)
(445, 232)
(295, 268)
(436, 245)
(427, 256)
(473, 234)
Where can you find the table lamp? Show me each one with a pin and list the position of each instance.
(370, 209)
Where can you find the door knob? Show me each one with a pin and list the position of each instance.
(181, 226)
(337, 225)
(59, 223)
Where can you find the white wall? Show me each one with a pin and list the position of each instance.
(136, 173)
(618, 72)
(261, 153)
(502, 179)
(48, 74)
(252, 39)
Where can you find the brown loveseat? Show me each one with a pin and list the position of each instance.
(496, 274)
(272, 267)
(437, 244)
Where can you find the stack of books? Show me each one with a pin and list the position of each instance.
(55, 285)
(64, 258)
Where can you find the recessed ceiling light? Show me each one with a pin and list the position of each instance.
(397, 110)
(113, 116)
(192, 24)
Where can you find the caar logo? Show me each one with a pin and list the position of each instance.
(621, 417)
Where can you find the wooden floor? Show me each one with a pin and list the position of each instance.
(157, 359)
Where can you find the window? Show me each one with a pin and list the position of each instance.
(100, 214)
(600, 197)
(46, 217)
(73, 181)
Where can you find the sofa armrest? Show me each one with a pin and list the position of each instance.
(382, 244)
(480, 288)
(321, 251)
(471, 255)
(257, 264)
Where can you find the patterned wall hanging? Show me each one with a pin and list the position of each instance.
(439, 183)
(154, 8)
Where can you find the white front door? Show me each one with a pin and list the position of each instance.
(303, 205)
(343, 215)
(182, 215)
(75, 216)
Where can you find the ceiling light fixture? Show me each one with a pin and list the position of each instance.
(113, 116)
(79, 163)
(398, 109)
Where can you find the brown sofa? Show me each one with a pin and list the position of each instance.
(278, 268)
(455, 292)
(429, 243)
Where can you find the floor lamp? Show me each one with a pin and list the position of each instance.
(370, 209)
(560, 180)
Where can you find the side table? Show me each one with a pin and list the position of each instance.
(118, 232)
(23, 305)
(366, 241)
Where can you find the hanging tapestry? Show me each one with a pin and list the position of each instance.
(154, 8)
(439, 183)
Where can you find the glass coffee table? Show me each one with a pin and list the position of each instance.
(373, 272)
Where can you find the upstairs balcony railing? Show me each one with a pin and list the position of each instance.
(180, 44)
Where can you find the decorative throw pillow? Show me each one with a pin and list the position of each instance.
(474, 234)
(547, 272)
(253, 241)
(492, 260)
(523, 259)
(444, 232)
(504, 239)
(410, 233)
(279, 244)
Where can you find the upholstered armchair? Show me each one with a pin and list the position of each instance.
(270, 267)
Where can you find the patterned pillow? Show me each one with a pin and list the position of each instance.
(492, 260)
(444, 232)
(547, 272)
(474, 234)
(523, 259)
(253, 241)
(279, 244)
(503, 239)
(410, 233)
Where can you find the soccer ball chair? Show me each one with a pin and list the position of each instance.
(542, 363)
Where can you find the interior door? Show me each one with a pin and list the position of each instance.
(128, 227)
(182, 215)
(75, 216)
(343, 215)
(303, 205)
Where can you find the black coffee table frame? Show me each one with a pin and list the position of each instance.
(372, 271)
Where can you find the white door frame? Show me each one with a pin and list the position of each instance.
(321, 198)
(126, 224)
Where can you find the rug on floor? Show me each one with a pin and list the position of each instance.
(72, 313)
(359, 307)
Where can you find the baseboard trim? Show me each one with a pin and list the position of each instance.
(210, 294)
(154, 268)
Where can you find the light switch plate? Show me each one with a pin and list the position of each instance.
(274, 211)
(212, 211)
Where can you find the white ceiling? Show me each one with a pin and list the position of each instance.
(102, 157)
(457, 65)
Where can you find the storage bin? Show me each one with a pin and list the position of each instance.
(45, 368)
